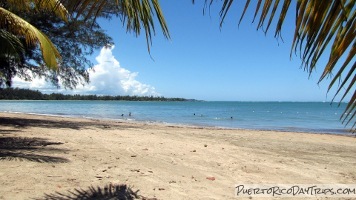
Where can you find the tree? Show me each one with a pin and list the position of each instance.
(75, 40)
(319, 26)
(66, 23)
(16, 34)
(136, 14)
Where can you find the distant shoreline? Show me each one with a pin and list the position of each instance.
(28, 94)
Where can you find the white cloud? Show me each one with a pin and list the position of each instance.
(36, 84)
(106, 78)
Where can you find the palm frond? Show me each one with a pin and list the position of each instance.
(54, 6)
(319, 26)
(10, 45)
(17, 26)
(135, 14)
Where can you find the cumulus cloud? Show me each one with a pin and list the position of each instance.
(106, 78)
(36, 83)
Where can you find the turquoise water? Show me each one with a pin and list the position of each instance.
(314, 117)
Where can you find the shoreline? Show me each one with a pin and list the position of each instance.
(42, 157)
(343, 132)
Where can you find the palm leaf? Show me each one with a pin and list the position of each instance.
(243, 13)
(17, 26)
(54, 6)
(136, 14)
(320, 25)
(10, 45)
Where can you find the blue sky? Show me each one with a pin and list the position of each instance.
(202, 61)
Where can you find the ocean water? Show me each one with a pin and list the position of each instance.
(315, 117)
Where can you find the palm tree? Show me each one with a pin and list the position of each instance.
(320, 25)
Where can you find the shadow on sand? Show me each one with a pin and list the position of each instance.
(30, 149)
(112, 192)
(19, 122)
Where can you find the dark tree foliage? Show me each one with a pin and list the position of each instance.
(75, 40)
(17, 94)
(27, 94)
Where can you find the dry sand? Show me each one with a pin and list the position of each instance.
(45, 157)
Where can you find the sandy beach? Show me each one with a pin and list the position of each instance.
(44, 157)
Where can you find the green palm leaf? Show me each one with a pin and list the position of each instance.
(17, 26)
(136, 14)
(10, 45)
(54, 6)
(21, 28)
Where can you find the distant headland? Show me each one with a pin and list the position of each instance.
(28, 94)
